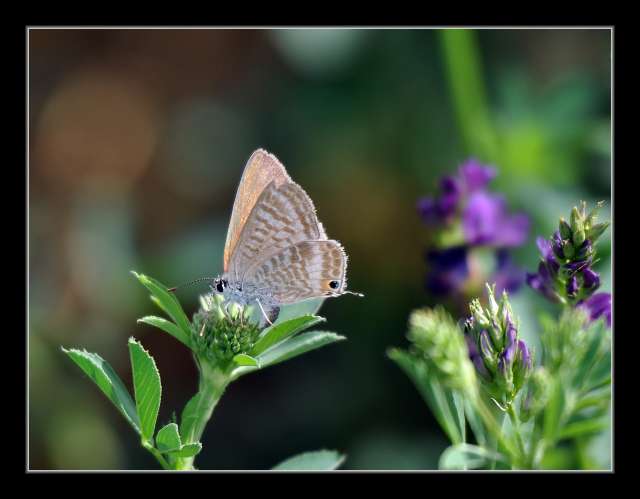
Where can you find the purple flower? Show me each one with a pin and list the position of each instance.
(597, 306)
(590, 278)
(507, 276)
(572, 286)
(475, 356)
(448, 270)
(475, 176)
(485, 221)
(524, 352)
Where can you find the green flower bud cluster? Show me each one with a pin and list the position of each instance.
(437, 339)
(500, 357)
(222, 330)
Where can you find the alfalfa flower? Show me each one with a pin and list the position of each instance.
(501, 357)
(565, 273)
(469, 223)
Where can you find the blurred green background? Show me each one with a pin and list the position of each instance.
(137, 143)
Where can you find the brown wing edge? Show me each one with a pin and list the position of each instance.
(240, 211)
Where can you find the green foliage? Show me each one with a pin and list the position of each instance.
(226, 342)
(148, 390)
(565, 399)
(320, 460)
(103, 375)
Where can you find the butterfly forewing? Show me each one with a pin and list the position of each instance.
(261, 169)
(307, 269)
(282, 217)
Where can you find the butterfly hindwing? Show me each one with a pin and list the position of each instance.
(307, 269)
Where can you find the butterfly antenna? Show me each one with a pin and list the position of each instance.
(347, 292)
(172, 290)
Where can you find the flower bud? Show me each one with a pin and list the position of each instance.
(577, 222)
(578, 238)
(565, 229)
(590, 278)
(572, 286)
(597, 230)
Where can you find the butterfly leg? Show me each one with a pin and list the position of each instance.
(264, 313)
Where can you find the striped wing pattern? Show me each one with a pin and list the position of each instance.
(261, 169)
(282, 217)
(304, 270)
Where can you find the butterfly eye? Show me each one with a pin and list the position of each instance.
(220, 286)
(334, 284)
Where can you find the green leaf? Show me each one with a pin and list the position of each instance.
(320, 460)
(146, 381)
(297, 345)
(291, 347)
(246, 360)
(583, 428)
(168, 438)
(167, 327)
(188, 450)
(280, 331)
(166, 301)
(432, 391)
(189, 416)
(554, 412)
(108, 381)
(467, 457)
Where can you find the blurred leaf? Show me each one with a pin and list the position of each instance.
(166, 301)
(467, 457)
(108, 381)
(146, 381)
(315, 461)
(585, 427)
(168, 438)
(438, 398)
(166, 326)
(278, 332)
(553, 413)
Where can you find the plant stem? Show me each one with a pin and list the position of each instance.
(157, 454)
(515, 421)
(495, 429)
(213, 382)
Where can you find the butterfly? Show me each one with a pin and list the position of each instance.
(277, 251)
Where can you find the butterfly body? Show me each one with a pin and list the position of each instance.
(277, 252)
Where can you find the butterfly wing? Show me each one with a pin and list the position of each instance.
(308, 269)
(261, 169)
(281, 217)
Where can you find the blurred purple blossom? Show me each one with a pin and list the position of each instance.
(483, 220)
(598, 305)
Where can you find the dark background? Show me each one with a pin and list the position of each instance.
(137, 140)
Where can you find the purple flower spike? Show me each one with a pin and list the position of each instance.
(485, 222)
(591, 279)
(598, 305)
(476, 176)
